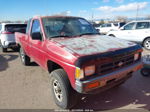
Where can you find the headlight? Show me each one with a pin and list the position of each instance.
(89, 70)
(136, 56)
(79, 73)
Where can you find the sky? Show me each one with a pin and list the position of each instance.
(98, 9)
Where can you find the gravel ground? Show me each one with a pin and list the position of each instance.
(24, 87)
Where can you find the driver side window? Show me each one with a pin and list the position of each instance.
(36, 30)
(129, 26)
(36, 26)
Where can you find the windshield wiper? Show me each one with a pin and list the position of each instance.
(74, 36)
(59, 36)
(88, 34)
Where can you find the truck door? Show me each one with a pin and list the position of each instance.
(37, 43)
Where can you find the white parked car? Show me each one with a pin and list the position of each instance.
(105, 28)
(7, 37)
(137, 31)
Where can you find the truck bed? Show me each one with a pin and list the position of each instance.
(19, 36)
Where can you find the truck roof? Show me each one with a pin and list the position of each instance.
(56, 16)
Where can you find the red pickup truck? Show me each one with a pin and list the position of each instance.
(78, 58)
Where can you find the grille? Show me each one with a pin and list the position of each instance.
(115, 63)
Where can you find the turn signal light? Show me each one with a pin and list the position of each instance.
(79, 73)
(93, 85)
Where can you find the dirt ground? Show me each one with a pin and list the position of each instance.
(24, 87)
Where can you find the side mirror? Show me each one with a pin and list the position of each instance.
(36, 36)
(122, 28)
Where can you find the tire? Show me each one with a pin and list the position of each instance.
(112, 35)
(4, 49)
(145, 72)
(24, 58)
(146, 43)
(63, 94)
(16, 49)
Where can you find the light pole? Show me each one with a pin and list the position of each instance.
(137, 11)
(92, 17)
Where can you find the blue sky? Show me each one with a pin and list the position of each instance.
(24, 9)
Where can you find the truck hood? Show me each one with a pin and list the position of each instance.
(89, 45)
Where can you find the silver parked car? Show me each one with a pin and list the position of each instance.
(7, 37)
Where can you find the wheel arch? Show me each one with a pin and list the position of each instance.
(51, 66)
(144, 40)
(112, 35)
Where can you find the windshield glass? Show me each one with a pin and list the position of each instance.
(15, 28)
(61, 27)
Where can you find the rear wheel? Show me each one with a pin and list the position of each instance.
(63, 94)
(24, 58)
(146, 43)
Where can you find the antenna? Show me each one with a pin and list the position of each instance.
(92, 16)
(137, 11)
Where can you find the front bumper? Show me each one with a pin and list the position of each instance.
(107, 81)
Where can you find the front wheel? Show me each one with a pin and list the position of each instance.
(24, 58)
(63, 94)
(112, 35)
(145, 72)
(146, 43)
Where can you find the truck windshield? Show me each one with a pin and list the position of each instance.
(67, 27)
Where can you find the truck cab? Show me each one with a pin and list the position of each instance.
(78, 59)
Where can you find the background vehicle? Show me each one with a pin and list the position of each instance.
(145, 71)
(120, 24)
(79, 60)
(137, 31)
(96, 25)
(105, 28)
(7, 37)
